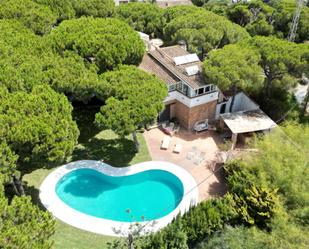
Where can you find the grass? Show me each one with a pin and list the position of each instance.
(96, 145)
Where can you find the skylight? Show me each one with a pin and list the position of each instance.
(184, 59)
(193, 70)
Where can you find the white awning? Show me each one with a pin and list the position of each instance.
(248, 121)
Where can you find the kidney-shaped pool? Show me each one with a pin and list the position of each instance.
(99, 198)
(144, 196)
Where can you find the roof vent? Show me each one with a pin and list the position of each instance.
(193, 70)
(184, 59)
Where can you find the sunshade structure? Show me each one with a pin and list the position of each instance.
(247, 121)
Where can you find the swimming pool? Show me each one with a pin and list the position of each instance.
(144, 196)
(99, 198)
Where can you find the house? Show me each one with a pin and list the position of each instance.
(190, 98)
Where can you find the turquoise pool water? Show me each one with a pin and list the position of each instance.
(147, 195)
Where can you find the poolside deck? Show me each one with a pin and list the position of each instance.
(212, 184)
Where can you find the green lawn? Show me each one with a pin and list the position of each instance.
(95, 145)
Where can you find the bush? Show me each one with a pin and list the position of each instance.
(199, 222)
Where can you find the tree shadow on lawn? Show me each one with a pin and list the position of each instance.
(34, 193)
(117, 152)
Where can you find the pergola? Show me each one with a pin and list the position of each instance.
(245, 122)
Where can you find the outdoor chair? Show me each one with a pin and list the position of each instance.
(201, 126)
(177, 148)
(200, 158)
(190, 155)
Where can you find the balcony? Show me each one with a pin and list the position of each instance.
(191, 97)
(190, 92)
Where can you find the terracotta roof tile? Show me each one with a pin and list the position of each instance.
(152, 66)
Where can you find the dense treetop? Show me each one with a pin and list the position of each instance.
(8, 161)
(16, 35)
(180, 10)
(143, 17)
(23, 224)
(68, 9)
(25, 62)
(283, 63)
(37, 17)
(133, 98)
(37, 125)
(63, 8)
(264, 18)
(241, 237)
(203, 31)
(234, 65)
(109, 42)
(95, 8)
(69, 74)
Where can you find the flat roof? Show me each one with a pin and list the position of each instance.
(248, 121)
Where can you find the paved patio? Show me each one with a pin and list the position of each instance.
(211, 184)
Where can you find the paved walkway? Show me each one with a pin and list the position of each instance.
(211, 184)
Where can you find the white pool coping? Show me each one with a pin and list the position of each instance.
(65, 213)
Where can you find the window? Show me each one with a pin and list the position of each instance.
(201, 90)
(172, 87)
(222, 108)
(207, 89)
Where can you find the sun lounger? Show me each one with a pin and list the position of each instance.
(165, 142)
(178, 148)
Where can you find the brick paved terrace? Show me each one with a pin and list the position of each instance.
(206, 141)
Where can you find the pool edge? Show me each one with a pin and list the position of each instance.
(65, 213)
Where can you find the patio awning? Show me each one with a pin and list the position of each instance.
(248, 121)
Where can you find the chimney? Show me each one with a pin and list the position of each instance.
(183, 44)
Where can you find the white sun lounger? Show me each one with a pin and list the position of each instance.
(165, 142)
(178, 148)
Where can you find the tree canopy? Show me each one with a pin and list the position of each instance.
(95, 8)
(253, 238)
(8, 161)
(63, 8)
(234, 65)
(22, 224)
(69, 74)
(109, 42)
(143, 17)
(37, 125)
(37, 17)
(178, 11)
(265, 18)
(283, 63)
(203, 31)
(133, 98)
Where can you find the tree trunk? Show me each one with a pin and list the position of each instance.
(130, 241)
(305, 103)
(136, 144)
(268, 87)
(233, 97)
(17, 184)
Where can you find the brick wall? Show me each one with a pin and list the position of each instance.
(189, 116)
